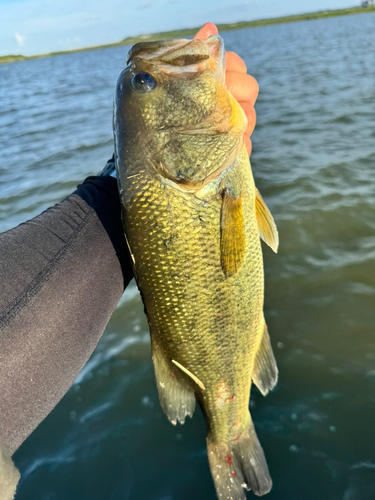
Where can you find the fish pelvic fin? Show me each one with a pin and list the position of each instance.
(176, 399)
(266, 224)
(233, 236)
(239, 465)
(265, 373)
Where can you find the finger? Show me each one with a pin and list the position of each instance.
(251, 117)
(207, 30)
(243, 87)
(233, 62)
(248, 145)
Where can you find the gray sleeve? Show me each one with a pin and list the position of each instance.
(60, 281)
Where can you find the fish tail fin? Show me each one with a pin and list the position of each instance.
(238, 465)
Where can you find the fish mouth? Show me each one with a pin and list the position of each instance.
(181, 57)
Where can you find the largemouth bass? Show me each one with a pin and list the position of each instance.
(193, 220)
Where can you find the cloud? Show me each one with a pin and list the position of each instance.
(70, 42)
(19, 39)
(145, 4)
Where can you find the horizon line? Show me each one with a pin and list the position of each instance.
(191, 31)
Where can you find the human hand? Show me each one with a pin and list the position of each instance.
(242, 86)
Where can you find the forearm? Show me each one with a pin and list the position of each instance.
(61, 279)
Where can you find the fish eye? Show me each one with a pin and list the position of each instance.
(143, 82)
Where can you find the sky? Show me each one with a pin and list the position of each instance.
(31, 27)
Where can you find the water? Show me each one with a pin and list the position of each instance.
(314, 162)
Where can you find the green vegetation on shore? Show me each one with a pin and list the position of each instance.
(192, 31)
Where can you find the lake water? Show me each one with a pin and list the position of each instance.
(314, 162)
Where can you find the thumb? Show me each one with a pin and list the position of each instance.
(207, 30)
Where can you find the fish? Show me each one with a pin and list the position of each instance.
(193, 220)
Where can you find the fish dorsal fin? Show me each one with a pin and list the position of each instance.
(266, 224)
(232, 238)
(265, 373)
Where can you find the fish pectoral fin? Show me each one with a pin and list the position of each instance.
(232, 234)
(176, 399)
(266, 224)
(265, 373)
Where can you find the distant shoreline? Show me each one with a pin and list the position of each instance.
(192, 31)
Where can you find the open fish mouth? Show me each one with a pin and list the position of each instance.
(179, 57)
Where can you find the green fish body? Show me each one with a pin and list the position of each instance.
(193, 220)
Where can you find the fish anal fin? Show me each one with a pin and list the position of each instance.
(233, 236)
(176, 399)
(266, 224)
(265, 372)
(239, 465)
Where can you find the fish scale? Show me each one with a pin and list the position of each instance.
(190, 220)
(189, 259)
